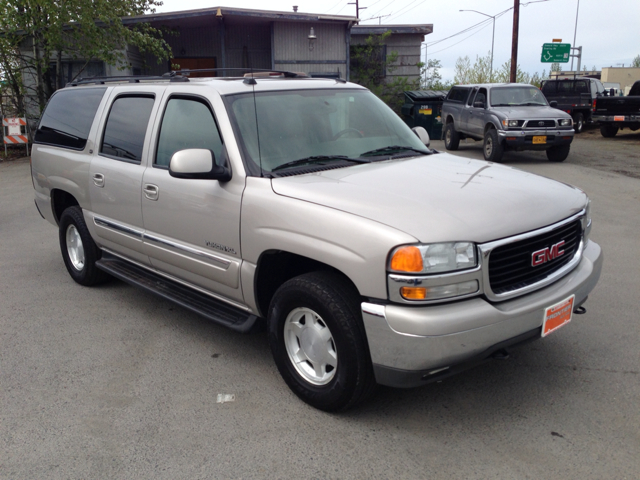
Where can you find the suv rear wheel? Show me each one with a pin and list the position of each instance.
(451, 137)
(318, 341)
(492, 148)
(79, 251)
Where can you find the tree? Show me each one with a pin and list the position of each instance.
(462, 71)
(36, 34)
(503, 75)
(636, 62)
(432, 80)
(479, 73)
(555, 67)
(372, 67)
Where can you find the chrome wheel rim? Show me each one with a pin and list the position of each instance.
(447, 136)
(310, 346)
(75, 249)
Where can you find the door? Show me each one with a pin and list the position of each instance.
(116, 171)
(192, 227)
(465, 111)
(476, 121)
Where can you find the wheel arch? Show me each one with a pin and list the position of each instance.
(60, 201)
(275, 267)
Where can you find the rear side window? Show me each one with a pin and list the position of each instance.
(458, 94)
(67, 120)
(126, 127)
(187, 123)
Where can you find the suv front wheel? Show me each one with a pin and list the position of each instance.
(318, 341)
(492, 148)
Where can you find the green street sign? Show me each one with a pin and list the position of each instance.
(555, 52)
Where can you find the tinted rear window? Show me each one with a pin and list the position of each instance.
(458, 94)
(68, 117)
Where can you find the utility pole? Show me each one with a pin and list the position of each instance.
(514, 42)
(357, 8)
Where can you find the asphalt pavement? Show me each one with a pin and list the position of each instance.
(112, 382)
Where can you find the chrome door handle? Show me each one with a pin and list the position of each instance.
(150, 191)
(98, 179)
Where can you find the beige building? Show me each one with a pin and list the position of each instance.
(624, 76)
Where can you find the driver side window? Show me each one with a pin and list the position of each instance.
(481, 96)
(187, 123)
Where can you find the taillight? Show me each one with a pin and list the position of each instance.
(593, 106)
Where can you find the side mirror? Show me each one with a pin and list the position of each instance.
(553, 104)
(478, 104)
(422, 134)
(197, 163)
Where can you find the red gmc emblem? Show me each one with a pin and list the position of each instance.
(547, 254)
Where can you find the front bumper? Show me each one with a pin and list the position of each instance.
(411, 346)
(523, 139)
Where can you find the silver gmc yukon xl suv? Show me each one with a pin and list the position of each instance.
(309, 206)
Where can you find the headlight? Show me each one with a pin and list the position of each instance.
(511, 123)
(433, 258)
(565, 122)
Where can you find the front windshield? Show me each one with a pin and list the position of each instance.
(516, 96)
(282, 127)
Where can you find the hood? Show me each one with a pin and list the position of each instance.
(440, 197)
(531, 113)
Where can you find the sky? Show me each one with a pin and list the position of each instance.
(607, 30)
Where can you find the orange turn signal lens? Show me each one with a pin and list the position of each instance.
(413, 293)
(407, 259)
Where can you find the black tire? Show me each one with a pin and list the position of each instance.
(326, 307)
(451, 137)
(608, 131)
(492, 148)
(578, 122)
(559, 153)
(81, 266)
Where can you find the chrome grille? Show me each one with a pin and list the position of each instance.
(510, 265)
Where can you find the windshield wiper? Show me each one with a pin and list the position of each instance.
(392, 149)
(530, 104)
(317, 159)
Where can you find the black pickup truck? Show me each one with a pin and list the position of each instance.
(616, 113)
(574, 96)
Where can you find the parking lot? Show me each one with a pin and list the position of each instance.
(112, 382)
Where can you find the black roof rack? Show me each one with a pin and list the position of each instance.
(170, 76)
(182, 76)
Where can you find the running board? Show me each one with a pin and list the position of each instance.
(210, 308)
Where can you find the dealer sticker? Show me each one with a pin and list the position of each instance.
(557, 315)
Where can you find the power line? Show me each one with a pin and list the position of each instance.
(339, 2)
(406, 11)
(465, 38)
